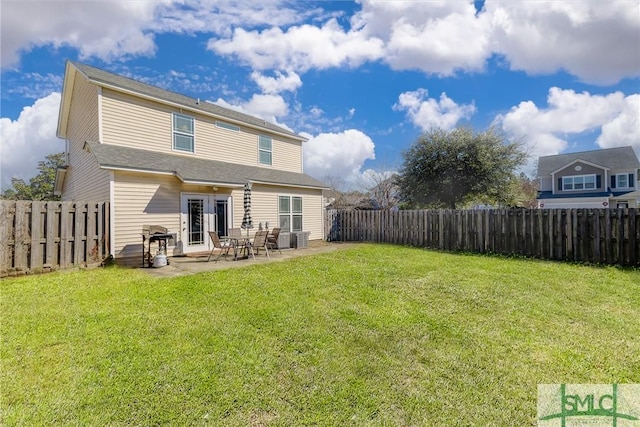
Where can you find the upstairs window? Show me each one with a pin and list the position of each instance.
(183, 135)
(578, 182)
(290, 213)
(264, 150)
(228, 126)
(622, 180)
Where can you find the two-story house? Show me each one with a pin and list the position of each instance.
(606, 178)
(166, 159)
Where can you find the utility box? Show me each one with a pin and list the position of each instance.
(284, 241)
(300, 239)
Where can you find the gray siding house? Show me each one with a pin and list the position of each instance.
(605, 178)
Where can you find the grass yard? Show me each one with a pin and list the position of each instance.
(371, 335)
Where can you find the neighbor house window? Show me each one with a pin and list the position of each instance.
(622, 180)
(183, 135)
(290, 213)
(578, 182)
(264, 150)
(228, 126)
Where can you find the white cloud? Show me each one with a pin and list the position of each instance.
(624, 128)
(300, 48)
(544, 130)
(429, 112)
(32, 85)
(339, 155)
(273, 85)
(116, 29)
(221, 16)
(266, 107)
(316, 112)
(437, 37)
(594, 40)
(96, 28)
(27, 140)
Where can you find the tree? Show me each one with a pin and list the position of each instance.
(448, 168)
(40, 187)
(526, 191)
(382, 188)
(340, 195)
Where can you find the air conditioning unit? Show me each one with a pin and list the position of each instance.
(300, 239)
(284, 241)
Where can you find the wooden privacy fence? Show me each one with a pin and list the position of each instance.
(606, 236)
(44, 236)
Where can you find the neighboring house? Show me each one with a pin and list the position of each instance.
(162, 158)
(605, 178)
(385, 194)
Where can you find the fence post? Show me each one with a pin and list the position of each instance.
(633, 255)
(22, 238)
(6, 239)
(36, 233)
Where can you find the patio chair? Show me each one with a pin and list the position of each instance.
(259, 242)
(220, 245)
(272, 239)
(235, 232)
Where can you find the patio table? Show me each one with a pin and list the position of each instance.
(239, 245)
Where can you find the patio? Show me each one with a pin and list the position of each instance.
(196, 263)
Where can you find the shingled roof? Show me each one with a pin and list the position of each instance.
(619, 158)
(195, 170)
(116, 81)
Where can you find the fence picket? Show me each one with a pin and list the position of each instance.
(41, 236)
(35, 261)
(608, 236)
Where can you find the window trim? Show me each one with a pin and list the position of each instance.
(626, 177)
(175, 132)
(584, 184)
(262, 150)
(291, 214)
(227, 126)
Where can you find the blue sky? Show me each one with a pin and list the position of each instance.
(360, 79)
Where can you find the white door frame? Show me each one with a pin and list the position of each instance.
(207, 223)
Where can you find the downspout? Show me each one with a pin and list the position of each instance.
(112, 215)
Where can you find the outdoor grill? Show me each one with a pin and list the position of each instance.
(154, 233)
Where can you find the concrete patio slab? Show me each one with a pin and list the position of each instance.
(197, 263)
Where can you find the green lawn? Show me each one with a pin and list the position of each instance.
(371, 335)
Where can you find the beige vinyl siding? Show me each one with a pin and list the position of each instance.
(135, 122)
(143, 199)
(155, 199)
(139, 123)
(84, 180)
(264, 207)
(225, 145)
(287, 155)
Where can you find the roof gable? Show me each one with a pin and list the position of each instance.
(144, 90)
(579, 161)
(612, 158)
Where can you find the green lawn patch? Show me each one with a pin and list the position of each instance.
(371, 335)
